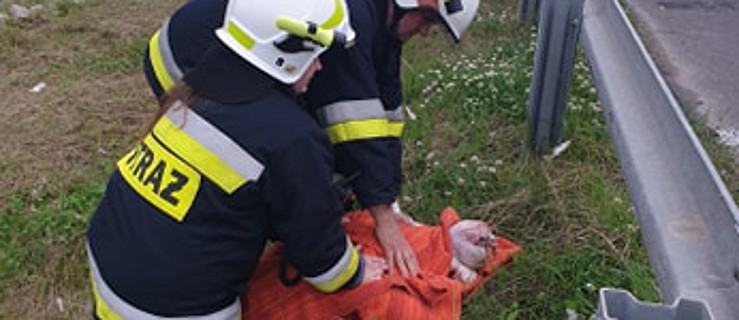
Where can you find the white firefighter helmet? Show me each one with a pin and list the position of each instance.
(282, 37)
(456, 15)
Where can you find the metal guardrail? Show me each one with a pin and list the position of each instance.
(615, 304)
(556, 43)
(687, 216)
(688, 220)
(528, 11)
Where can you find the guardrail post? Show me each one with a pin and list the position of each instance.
(557, 37)
(528, 11)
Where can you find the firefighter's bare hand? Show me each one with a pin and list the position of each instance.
(374, 268)
(397, 250)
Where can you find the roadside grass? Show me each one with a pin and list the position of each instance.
(467, 148)
(571, 214)
(42, 270)
(59, 144)
(725, 159)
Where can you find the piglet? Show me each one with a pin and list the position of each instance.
(471, 240)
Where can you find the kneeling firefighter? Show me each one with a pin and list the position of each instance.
(356, 98)
(231, 162)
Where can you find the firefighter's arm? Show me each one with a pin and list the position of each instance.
(305, 213)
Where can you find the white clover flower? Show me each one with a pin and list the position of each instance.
(430, 155)
(590, 287)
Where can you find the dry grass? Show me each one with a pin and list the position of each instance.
(50, 138)
(95, 102)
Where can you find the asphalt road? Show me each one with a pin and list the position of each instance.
(695, 44)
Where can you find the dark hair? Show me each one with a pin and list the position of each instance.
(181, 92)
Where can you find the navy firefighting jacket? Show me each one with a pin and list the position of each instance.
(190, 208)
(356, 97)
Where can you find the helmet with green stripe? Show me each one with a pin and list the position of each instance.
(455, 15)
(283, 37)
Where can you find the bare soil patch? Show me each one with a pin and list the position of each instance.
(95, 94)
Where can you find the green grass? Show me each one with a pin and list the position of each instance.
(571, 215)
(39, 226)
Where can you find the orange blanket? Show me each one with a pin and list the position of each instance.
(432, 295)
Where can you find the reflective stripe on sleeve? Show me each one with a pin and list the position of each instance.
(162, 60)
(352, 120)
(395, 122)
(340, 273)
(207, 149)
(395, 129)
(395, 115)
(357, 130)
(352, 110)
(108, 306)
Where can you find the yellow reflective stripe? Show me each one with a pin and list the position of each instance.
(161, 178)
(350, 265)
(102, 310)
(155, 56)
(336, 17)
(109, 306)
(105, 312)
(240, 36)
(395, 129)
(357, 130)
(192, 151)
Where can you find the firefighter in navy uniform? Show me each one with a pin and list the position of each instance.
(358, 102)
(356, 98)
(231, 162)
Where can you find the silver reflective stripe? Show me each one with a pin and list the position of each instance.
(216, 141)
(336, 270)
(395, 115)
(351, 110)
(129, 312)
(167, 57)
